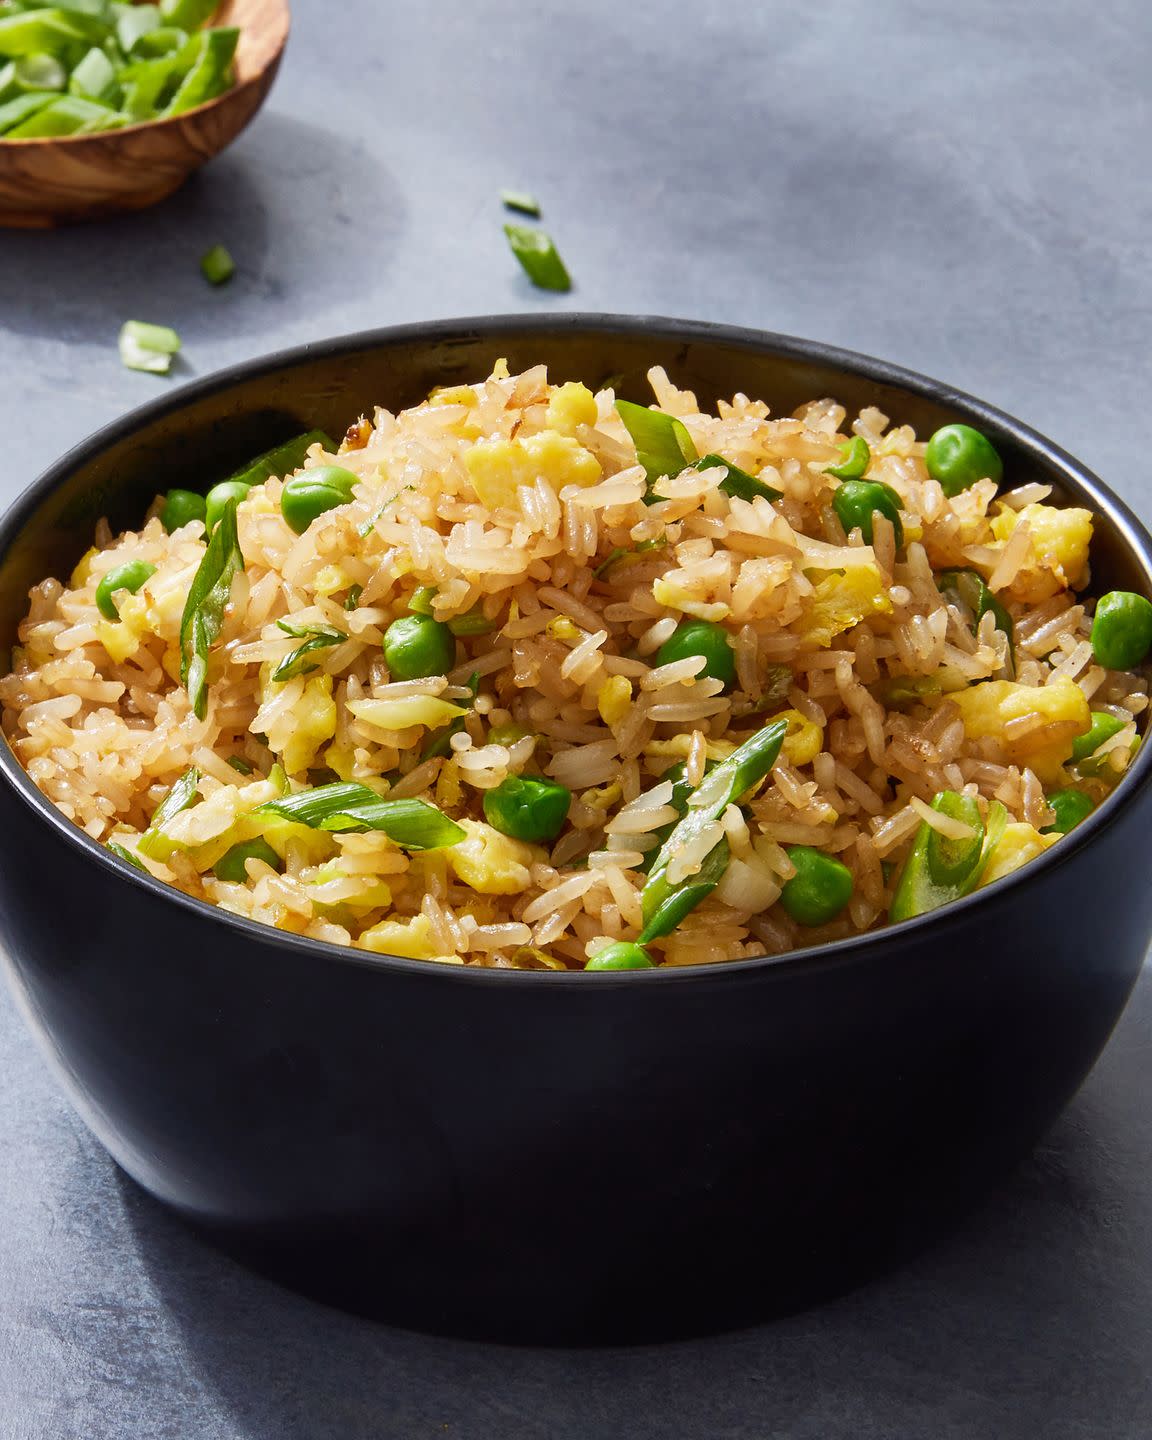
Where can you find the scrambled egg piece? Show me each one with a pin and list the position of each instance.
(424, 710)
(491, 863)
(83, 571)
(330, 579)
(615, 699)
(1060, 542)
(121, 638)
(311, 724)
(410, 938)
(804, 740)
(843, 600)
(1019, 844)
(497, 468)
(988, 707)
(571, 405)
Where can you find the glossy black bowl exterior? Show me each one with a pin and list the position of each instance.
(546, 1154)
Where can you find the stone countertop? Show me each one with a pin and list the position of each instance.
(963, 190)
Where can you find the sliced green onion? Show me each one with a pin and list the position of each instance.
(440, 742)
(352, 599)
(739, 483)
(94, 77)
(368, 526)
(663, 444)
(421, 601)
(209, 73)
(315, 637)
(282, 459)
(969, 592)
(731, 778)
(475, 622)
(217, 265)
(123, 854)
(606, 565)
(48, 30)
(188, 14)
(65, 115)
(239, 764)
(349, 806)
(939, 870)
(133, 21)
(181, 796)
(148, 347)
(13, 113)
(40, 72)
(203, 616)
(520, 200)
(855, 459)
(537, 253)
(165, 42)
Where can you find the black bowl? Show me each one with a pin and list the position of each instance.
(549, 1155)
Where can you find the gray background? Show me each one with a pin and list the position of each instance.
(960, 188)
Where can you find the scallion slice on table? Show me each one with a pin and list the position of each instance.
(520, 200)
(315, 637)
(940, 869)
(148, 347)
(348, 806)
(663, 905)
(217, 265)
(537, 253)
(203, 617)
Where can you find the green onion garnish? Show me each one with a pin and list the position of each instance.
(439, 743)
(938, 869)
(209, 59)
(421, 601)
(475, 622)
(282, 459)
(663, 444)
(969, 592)
(188, 14)
(663, 905)
(148, 347)
(352, 599)
(738, 483)
(240, 765)
(606, 565)
(133, 21)
(349, 806)
(94, 77)
(203, 616)
(522, 201)
(537, 253)
(315, 637)
(182, 795)
(217, 265)
(368, 526)
(123, 854)
(40, 72)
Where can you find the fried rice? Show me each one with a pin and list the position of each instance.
(519, 511)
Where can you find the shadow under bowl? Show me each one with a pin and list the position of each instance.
(86, 177)
(545, 1156)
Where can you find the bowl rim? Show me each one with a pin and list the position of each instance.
(870, 943)
(160, 121)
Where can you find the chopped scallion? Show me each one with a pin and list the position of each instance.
(663, 444)
(348, 806)
(148, 347)
(537, 253)
(315, 637)
(520, 200)
(217, 265)
(738, 483)
(203, 616)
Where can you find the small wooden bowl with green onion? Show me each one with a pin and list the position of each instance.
(56, 179)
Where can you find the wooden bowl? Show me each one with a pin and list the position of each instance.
(82, 177)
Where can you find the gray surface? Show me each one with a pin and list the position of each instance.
(963, 189)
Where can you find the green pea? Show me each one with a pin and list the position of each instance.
(308, 495)
(958, 456)
(856, 501)
(1122, 630)
(218, 497)
(1102, 727)
(1071, 806)
(702, 637)
(622, 955)
(819, 890)
(129, 576)
(416, 646)
(856, 457)
(531, 810)
(231, 867)
(181, 507)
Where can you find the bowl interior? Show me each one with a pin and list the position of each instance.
(208, 429)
